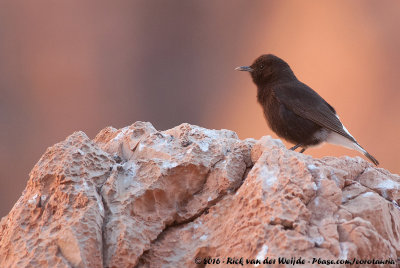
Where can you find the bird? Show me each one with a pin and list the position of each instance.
(294, 111)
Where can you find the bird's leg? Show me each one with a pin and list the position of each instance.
(295, 147)
(302, 150)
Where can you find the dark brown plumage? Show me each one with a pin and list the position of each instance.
(294, 111)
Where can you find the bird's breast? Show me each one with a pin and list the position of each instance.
(271, 108)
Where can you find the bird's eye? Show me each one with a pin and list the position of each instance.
(261, 66)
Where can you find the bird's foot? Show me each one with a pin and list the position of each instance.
(295, 147)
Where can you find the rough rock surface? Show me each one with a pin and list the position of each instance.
(145, 198)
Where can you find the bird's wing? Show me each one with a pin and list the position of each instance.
(305, 102)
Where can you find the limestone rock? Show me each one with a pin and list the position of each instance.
(146, 198)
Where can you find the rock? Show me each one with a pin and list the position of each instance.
(147, 198)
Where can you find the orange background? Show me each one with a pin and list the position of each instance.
(84, 65)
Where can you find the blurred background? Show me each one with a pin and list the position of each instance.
(84, 65)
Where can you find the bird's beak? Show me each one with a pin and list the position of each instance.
(244, 68)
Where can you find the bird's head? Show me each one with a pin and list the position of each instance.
(268, 69)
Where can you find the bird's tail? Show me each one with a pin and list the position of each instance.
(370, 157)
(339, 139)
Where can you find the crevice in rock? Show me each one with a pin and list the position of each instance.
(347, 200)
(394, 230)
(203, 211)
(360, 174)
(106, 212)
(355, 180)
(286, 225)
(136, 145)
(210, 170)
(103, 226)
(395, 204)
(175, 224)
(344, 208)
(372, 190)
(244, 177)
(209, 203)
